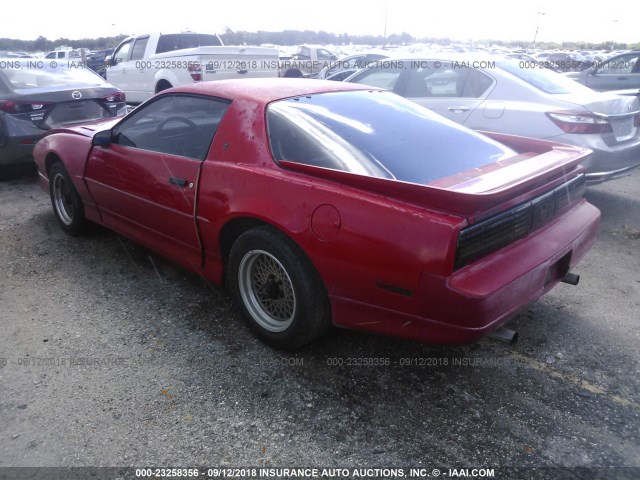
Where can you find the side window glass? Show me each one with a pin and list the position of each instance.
(446, 81)
(304, 53)
(122, 54)
(138, 48)
(324, 54)
(473, 85)
(620, 65)
(380, 77)
(182, 125)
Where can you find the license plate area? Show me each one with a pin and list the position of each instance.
(558, 268)
(623, 128)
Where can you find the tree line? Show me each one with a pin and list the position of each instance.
(297, 37)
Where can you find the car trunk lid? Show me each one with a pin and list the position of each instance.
(622, 112)
(65, 106)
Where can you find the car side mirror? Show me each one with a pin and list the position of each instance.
(102, 139)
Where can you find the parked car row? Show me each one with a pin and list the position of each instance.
(502, 96)
(437, 224)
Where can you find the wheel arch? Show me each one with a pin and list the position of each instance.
(50, 159)
(312, 309)
(235, 227)
(162, 84)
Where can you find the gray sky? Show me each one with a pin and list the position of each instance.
(563, 20)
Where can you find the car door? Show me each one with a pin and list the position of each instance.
(117, 72)
(618, 73)
(139, 73)
(447, 88)
(145, 181)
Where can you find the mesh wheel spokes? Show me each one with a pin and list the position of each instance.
(267, 290)
(62, 199)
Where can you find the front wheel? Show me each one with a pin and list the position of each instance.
(280, 294)
(66, 202)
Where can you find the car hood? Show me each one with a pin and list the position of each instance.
(604, 103)
(473, 193)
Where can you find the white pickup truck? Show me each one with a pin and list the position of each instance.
(308, 61)
(144, 65)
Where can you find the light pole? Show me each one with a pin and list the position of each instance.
(535, 37)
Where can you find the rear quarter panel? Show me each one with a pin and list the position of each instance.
(356, 240)
(72, 150)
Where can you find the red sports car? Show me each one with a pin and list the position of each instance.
(323, 203)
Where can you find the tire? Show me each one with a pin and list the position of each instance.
(163, 85)
(293, 73)
(288, 307)
(65, 200)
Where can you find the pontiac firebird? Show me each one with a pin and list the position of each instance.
(322, 203)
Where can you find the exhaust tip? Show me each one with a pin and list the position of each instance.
(571, 279)
(505, 335)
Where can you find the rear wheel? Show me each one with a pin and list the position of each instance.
(163, 85)
(280, 294)
(66, 202)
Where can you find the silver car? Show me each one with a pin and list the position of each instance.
(620, 72)
(511, 97)
(351, 64)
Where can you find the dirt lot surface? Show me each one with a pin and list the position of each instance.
(113, 356)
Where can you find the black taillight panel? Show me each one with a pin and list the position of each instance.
(494, 233)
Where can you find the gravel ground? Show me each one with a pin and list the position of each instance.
(113, 356)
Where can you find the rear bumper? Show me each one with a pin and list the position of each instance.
(607, 161)
(17, 150)
(480, 297)
(595, 178)
(17, 138)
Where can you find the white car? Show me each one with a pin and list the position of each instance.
(507, 96)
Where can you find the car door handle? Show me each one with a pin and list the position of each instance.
(622, 78)
(180, 182)
(459, 109)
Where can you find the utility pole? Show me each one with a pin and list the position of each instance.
(535, 37)
(386, 18)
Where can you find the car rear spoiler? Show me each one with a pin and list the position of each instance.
(538, 164)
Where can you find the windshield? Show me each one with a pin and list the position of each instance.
(21, 77)
(543, 79)
(376, 134)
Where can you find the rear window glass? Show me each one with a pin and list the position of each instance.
(23, 78)
(377, 134)
(544, 79)
(178, 41)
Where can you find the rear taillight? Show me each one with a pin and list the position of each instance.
(115, 97)
(577, 122)
(10, 106)
(195, 70)
(496, 232)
